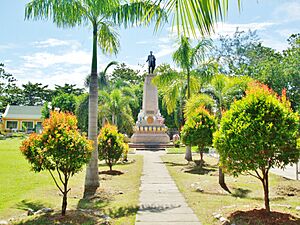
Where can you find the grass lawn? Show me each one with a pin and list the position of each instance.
(180, 150)
(247, 192)
(21, 188)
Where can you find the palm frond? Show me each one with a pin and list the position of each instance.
(196, 101)
(63, 13)
(190, 16)
(138, 13)
(199, 52)
(108, 38)
(166, 79)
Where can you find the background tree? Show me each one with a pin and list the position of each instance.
(256, 134)
(103, 16)
(111, 145)
(122, 75)
(65, 102)
(198, 130)
(103, 79)
(115, 107)
(60, 148)
(9, 91)
(67, 89)
(35, 94)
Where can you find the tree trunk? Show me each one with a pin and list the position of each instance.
(265, 182)
(188, 153)
(92, 177)
(222, 180)
(65, 194)
(188, 85)
(201, 152)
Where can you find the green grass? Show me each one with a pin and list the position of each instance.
(247, 192)
(180, 150)
(21, 188)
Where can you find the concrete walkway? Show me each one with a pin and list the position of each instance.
(160, 200)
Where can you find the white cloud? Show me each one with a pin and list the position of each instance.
(7, 46)
(230, 28)
(286, 32)
(288, 12)
(165, 49)
(46, 59)
(227, 29)
(53, 42)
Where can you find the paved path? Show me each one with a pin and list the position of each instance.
(161, 203)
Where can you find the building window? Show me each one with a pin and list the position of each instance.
(11, 124)
(27, 125)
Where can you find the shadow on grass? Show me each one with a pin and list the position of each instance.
(240, 192)
(174, 164)
(97, 201)
(201, 170)
(34, 205)
(111, 172)
(72, 217)
(121, 211)
(262, 217)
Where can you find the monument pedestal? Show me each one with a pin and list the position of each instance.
(150, 128)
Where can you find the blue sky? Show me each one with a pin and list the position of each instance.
(38, 51)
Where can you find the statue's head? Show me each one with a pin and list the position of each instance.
(151, 52)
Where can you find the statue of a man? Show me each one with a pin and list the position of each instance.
(151, 62)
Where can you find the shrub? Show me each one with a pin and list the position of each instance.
(111, 145)
(257, 133)
(60, 148)
(198, 129)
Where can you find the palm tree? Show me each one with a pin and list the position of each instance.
(103, 16)
(115, 107)
(102, 77)
(224, 90)
(187, 57)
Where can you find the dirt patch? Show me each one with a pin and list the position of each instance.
(261, 217)
(288, 190)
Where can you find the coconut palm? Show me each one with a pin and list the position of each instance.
(224, 90)
(187, 57)
(115, 108)
(103, 16)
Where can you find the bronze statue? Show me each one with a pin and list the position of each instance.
(151, 63)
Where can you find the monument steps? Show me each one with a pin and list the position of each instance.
(151, 146)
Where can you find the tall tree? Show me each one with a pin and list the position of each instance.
(224, 90)
(10, 93)
(35, 94)
(187, 57)
(68, 89)
(125, 76)
(103, 16)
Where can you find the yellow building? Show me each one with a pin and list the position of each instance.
(21, 118)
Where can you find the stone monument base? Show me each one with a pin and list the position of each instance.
(150, 138)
